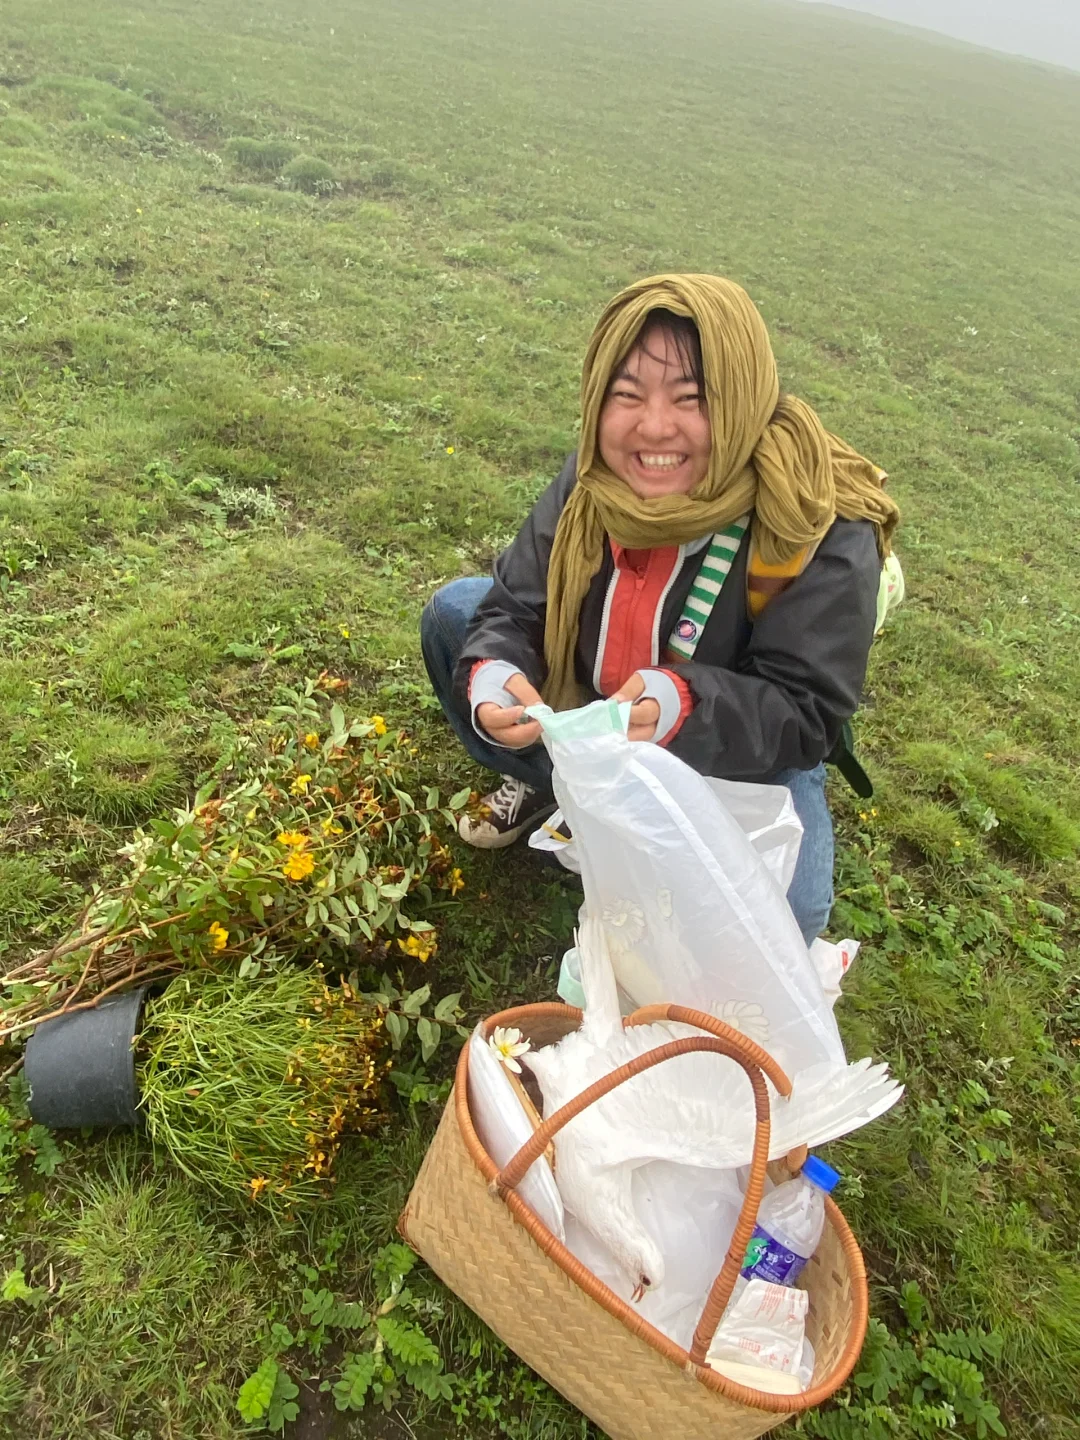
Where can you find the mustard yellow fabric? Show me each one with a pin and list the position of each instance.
(770, 455)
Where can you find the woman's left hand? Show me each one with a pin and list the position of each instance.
(645, 714)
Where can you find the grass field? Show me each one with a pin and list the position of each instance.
(238, 419)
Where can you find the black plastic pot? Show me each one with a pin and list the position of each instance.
(81, 1067)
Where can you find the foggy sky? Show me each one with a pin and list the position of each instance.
(1040, 29)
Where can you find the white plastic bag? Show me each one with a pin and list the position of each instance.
(766, 814)
(691, 912)
(832, 963)
(681, 906)
(767, 817)
(764, 1326)
(503, 1127)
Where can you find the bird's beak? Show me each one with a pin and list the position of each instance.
(640, 1290)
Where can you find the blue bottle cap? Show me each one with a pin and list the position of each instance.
(820, 1174)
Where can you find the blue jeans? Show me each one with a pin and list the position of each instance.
(442, 634)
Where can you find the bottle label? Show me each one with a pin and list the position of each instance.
(766, 1259)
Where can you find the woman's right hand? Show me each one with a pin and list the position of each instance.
(505, 725)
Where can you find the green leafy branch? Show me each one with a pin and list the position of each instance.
(305, 843)
(404, 1008)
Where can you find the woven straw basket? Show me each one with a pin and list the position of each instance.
(467, 1221)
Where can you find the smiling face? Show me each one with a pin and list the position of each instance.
(654, 429)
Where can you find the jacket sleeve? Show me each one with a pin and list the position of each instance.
(509, 621)
(801, 675)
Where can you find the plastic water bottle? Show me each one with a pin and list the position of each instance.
(789, 1226)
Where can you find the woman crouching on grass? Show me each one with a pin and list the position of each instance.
(710, 553)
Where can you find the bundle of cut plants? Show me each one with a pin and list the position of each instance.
(252, 1085)
(305, 845)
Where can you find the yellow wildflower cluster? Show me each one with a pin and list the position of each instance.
(300, 785)
(338, 1078)
(417, 948)
(219, 936)
(311, 741)
(298, 865)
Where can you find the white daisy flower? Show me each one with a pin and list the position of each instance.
(506, 1044)
(746, 1017)
(625, 923)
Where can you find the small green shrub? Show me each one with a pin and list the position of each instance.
(310, 174)
(261, 157)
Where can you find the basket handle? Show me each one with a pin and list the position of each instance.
(723, 1040)
(724, 1283)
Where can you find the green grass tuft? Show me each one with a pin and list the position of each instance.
(310, 174)
(142, 1258)
(28, 892)
(263, 157)
(19, 131)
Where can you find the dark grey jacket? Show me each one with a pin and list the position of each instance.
(768, 695)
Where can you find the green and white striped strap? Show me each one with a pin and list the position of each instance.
(706, 588)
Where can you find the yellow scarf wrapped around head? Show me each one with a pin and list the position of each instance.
(770, 455)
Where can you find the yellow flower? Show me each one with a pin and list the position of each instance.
(415, 946)
(258, 1185)
(311, 741)
(299, 865)
(137, 210)
(295, 839)
(449, 449)
(343, 631)
(379, 724)
(330, 827)
(299, 785)
(234, 854)
(251, 814)
(219, 936)
(506, 1045)
(457, 881)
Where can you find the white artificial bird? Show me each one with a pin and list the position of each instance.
(694, 1110)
